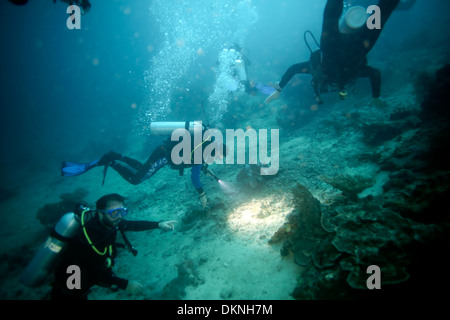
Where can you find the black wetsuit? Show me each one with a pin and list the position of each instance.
(95, 268)
(342, 57)
(136, 172)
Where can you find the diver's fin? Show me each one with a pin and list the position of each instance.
(70, 169)
(267, 90)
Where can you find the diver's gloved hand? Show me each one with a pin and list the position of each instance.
(378, 103)
(275, 95)
(167, 225)
(203, 200)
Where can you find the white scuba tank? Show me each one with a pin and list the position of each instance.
(45, 259)
(352, 19)
(240, 69)
(165, 128)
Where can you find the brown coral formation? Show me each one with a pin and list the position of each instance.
(349, 185)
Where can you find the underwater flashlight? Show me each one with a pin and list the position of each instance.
(214, 176)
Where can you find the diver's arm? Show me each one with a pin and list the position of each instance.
(195, 178)
(111, 279)
(331, 14)
(131, 286)
(128, 225)
(302, 67)
(147, 225)
(108, 279)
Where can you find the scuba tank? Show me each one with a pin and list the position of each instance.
(165, 128)
(240, 69)
(352, 19)
(45, 259)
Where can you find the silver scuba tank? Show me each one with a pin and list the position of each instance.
(240, 69)
(165, 128)
(45, 259)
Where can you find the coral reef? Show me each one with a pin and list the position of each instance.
(376, 133)
(349, 185)
(250, 179)
(336, 245)
(304, 234)
(290, 120)
(404, 231)
(187, 276)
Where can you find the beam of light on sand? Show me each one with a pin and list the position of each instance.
(258, 219)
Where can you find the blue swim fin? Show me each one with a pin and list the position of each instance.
(70, 169)
(267, 90)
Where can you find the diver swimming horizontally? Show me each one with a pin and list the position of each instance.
(136, 172)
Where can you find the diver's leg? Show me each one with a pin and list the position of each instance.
(131, 173)
(130, 169)
(112, 158)
(136, 172)
(157, 154)
(133, 163)
(302, 67)
(136, 176)
(330, 26)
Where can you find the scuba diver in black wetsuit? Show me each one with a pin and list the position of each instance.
(87, 239)
(83, 4)
(341, 58)
(136, 172)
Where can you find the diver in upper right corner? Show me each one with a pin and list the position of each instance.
(345, 42)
